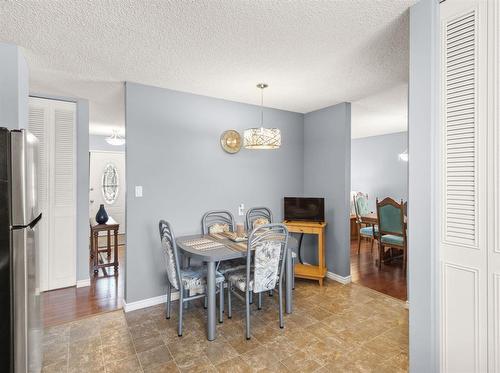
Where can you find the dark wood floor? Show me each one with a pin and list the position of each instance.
(389, 280)
(104, 294)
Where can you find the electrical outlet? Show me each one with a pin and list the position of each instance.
(241, 209)
(138, 190)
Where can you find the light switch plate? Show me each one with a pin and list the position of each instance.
(138, 190)
(241, 209)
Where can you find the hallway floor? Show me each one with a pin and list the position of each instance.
(104, 294)
(390, 279)
(344, 328)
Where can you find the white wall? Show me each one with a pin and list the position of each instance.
(376, 168)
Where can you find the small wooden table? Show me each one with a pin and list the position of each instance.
(307, 271)
(110, 225)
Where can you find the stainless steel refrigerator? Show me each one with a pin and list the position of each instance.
(20, 313)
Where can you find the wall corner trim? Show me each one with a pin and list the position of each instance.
(335, 277)
(83, 283)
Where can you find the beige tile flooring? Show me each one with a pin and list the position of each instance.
(345, 328)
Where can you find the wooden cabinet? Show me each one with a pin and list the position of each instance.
(311, 272)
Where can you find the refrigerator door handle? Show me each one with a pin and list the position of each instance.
(35, 221)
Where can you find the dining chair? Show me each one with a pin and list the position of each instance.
(265, 265)
(257, 216)
(391, 223)
(219, 221)
(183, 279)
(369, 231)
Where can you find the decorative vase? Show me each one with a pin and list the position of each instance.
(101, 216)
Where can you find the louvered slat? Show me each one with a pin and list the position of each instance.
(460, 131)
(64, 157)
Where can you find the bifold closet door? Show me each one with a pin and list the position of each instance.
(464, 186)
(53, 122)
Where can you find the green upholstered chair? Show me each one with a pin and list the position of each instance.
(391, 226)
(368, 231)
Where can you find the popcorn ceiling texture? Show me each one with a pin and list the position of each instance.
(312, 54)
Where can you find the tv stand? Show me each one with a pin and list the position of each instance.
(311, 272)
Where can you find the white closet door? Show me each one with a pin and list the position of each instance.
(494, 182)
(62, 256)
(463, 237)
(53, 122)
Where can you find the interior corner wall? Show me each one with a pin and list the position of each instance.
(173, 151)
(327, 173)
(14, 87)
(423, 281)
(82, 190)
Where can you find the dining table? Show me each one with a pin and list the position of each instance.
(220, 250)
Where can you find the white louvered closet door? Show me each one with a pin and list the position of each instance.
(463, 237)
(58, 190)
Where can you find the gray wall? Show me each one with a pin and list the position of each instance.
(14, 89)
(422, 124)
(173, 151)
(327, 173)
(98, 143)
(82, 189)
(376, 168)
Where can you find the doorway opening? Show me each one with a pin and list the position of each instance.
(107, 241)
(379, 172)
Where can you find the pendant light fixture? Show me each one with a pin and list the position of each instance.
(262, 138)
(115, 139)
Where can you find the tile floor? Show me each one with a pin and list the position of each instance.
(345, 328)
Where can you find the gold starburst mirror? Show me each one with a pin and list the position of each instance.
(230, 141)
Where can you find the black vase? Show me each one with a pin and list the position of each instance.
(101, 216)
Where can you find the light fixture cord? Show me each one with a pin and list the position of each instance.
(261, 107)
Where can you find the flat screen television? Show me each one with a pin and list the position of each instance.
(305, 209)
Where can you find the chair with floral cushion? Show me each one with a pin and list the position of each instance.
(265, 265)
(392, 230)
(220, 221)
(182, 280)
(257, 216)
(369, 231)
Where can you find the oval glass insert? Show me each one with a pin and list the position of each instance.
(110, 185)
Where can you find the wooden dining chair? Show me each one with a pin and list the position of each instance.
(391, 226)
(365, 230)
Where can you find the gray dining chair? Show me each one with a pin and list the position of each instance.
(218, 221)
(264, 269)
(182, 279)
(256, 216)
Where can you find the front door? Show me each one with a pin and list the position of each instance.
(107, 184)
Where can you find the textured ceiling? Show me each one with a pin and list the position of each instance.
(381, 113)
(312, 53)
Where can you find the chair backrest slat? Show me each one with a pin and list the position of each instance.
(221, 217)
(269, 244)
(170, 252)
(258, 213)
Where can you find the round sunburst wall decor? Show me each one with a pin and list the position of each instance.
(230, 141)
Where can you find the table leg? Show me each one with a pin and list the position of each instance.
(288, 283)
(211, 333)
(96, 251)
(116, 251)
(109, 245)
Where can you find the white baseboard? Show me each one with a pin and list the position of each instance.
(83, 283)
(338, 278)
(149, 302)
